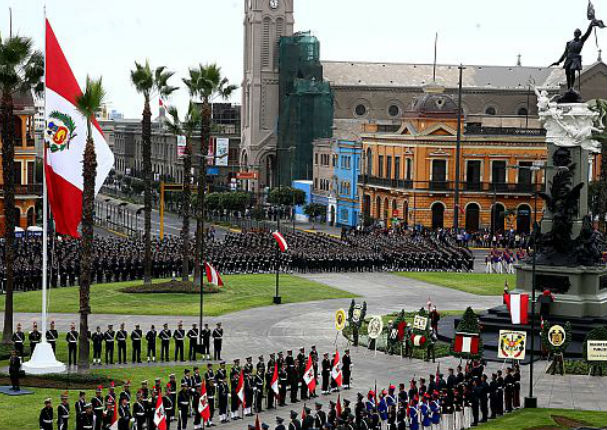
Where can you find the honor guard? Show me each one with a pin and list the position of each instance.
(97, 407)
(79, 405)
(179, 336)
(97, 339)
(165, 341)
(209, 378)
(34, 337)
(217, 341)
(222, 393)
(126, 391)
(206, 342)
(234, 377)
(45, 419)
(169, 405)
(150, 338)
(268, 383)
(71, 338)
(346, 363)
(320, 417)
(19, 340)
(121, 337)
(283, 381)
(193, 337)
(139, 413)
(136, 336)
(88, 421)
(183, 405)
(279, 424)
(52, 335)
(108, 336)
(124, 415)
(326, 372)
(63, 413)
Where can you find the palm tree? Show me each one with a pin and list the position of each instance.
(187, 128)
(88, 104)
(205, 83)
(601, 137)
(149, 83)
(21, 70)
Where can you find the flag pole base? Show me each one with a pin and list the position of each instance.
(277, 300)
(530, 402)
(43, 361)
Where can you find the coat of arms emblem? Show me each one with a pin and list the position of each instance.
(60, 130)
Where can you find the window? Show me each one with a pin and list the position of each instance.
(343, 215)
(334, 160)
(315, 183)
(439, 175)
(369, 162)
(360, 110)
(380, 166)
(490, 110)
(396, 167)
(473, 175)
(525, 176)
(498, 175)
(18, 173)
(409, 167)
(393, 110)
(389, 167)
(316, 158)
(31, 172)
(522, 111)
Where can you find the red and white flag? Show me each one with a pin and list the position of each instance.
(308, 375)
(240, 389)
(203, 404)
(338, 405)
(274, 382)
(65, 139)
(213, 275)
(280, 239)
(418, 339)
(114, 422)
(466, 343)
(336, 369)
(160, 419)
(518, 305)
(257, 424)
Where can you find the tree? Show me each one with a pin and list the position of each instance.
(287, 196)
(205, 83)
(314, 210)
(149, 83)
(187, 128)
(601, 137)
(88, 104)
(21, 70)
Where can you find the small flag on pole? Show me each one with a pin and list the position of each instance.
(280, 239)
(518, 305)
(213, 275)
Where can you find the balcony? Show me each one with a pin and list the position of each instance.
(26, 190)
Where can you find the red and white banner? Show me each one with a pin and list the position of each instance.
(159, 416)
(518, 305)
(338, 405)
(308, 375)
(213, 275)
(466, 343)
(280, 239)
(65, 139)
(203, 404)
(274, 382)
(418, 339)
(114, 422)
(336, 370)
(240, 389)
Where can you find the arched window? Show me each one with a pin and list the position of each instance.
(472, 217)
(497, 218)
(522, 111)
(31, 217)
(490, 110)
(386, 207)
(438, 215)
(405, 216)
(378, 207)
(523, 219)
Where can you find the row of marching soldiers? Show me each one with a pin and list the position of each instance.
(239, 393)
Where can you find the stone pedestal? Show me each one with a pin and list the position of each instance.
(43, 361)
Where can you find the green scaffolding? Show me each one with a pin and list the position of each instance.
(306, 106)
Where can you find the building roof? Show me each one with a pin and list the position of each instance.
(408, 75)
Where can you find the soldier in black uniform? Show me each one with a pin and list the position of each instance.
(88, 421)
(183, 405)
(483, 399)
(139, 412)
(52, 335)
(493, 396)
(235, 401)
(165, 341)
(206, 342)
(45, 420)
(121, 337)
(124, 415)
(169, 405)
(97, 407)
(268, 382)
(136, 336)
(63, 413)
(71, 338)
(79, 406)
(150, 338)
(193, 337)
(283, 382)
(279, 424)
(217, 341)
(500, 393)
(34, 337)
(295, 424)
(97, 339)
(222, 393)
(294, 379)
(209, 379)
(320, 417)
(179, 336)
(346, 363)
(258, 384)
(19, 340)
(108, 336)
(509, 391)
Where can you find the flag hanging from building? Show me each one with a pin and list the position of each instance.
(213, 275)
(280, 239)
(65, 139)
(518, 305)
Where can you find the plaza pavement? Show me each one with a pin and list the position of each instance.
(279, 328)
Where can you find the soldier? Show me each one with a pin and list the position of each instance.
(217, 341)
(79, 405)
(234, 378)
(193, 336)
(295, 424)
(19, 340)
(169, 406)
(165, 340)
(320, 417)
(509, 392)
(346, 363)
(183, 405)
(206, 342)
(150, 337)
(139, 412)
(45, 420)
(51, 336)
(121, 337)
(209, 378)
(136, 336)
(222, 392)
(14, 367)
(97, 407)
(258, 384)
(179, 336)
(71, 338)
(268, 383)
(34, 337)
(63, 413)
(332, 415)
(173, 390)
(108, 336)
(88, 421)
(308, 420)
(516, 395)
(279, 424)
(110, 397)
(283, 381)
(126, 391)
(124, 415)
(97, 338)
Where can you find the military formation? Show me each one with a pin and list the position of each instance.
(228, 393)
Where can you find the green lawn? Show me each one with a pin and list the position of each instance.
(240, 292)
(524, 419)
(476, 283)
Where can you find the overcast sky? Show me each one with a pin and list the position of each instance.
(104, 37)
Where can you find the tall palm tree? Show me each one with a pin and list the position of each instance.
(88, 104)
(149, 83)
(187, 128)
(206, 84)
(21, 70)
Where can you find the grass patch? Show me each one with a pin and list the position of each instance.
(240, 292)
(538, 419)
(171, 287)
(476, 283)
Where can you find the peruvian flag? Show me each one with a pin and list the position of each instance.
(257, 424)
(159, 416)
(338, 405)
(203, 404)
(280, 239)
(213, 275)
(240, 389)
(274, 382)
(518, 305)
(65, 138)
(114, 422)
(308, 376)
(418, 339)
(466, 343)
(336, 369)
